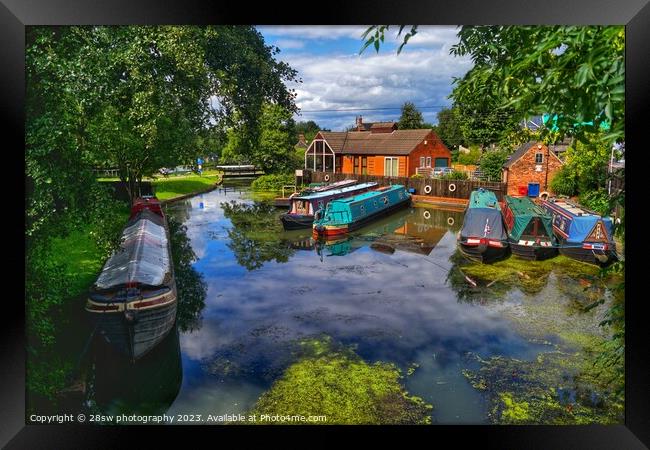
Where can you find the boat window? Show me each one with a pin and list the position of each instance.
(385, 200)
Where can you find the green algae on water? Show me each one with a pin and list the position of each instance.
(333, 381)
(556, 388)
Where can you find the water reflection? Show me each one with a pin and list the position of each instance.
(147, 387)
(390, 291)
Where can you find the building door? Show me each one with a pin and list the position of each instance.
(391, 166)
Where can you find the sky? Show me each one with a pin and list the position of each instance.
(335, 77)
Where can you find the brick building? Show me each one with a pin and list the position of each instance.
(381, 150)
(530, 169)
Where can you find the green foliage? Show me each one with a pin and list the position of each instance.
(597, 200)
(255, 234)
(191, 286)
(455, 175)
(309, 129)
(417, 176)
(448, 128)
(273, 182)
(337, 383)
(470, 158)
(565, 182)
(374, 35)
(577, 72)
(411, 118)
(491, 163)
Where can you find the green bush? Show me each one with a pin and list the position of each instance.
(455, 175)
(469, 158)
(596, 201)
(565, 182)
(491, 164)
(273, 182)
(417, 176)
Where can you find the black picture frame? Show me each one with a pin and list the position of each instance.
(635, 14)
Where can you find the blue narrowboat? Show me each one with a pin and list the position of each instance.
(483, 237)
(348, 214)
(583, 235)
(304, 206)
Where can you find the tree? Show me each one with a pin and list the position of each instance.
(411, 118)
(273, 151)
(576, 72)
(491, 164)
(448, 128)
(309, 129)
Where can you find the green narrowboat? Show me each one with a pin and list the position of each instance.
(530, 229)
(348, 214)
(483, 237)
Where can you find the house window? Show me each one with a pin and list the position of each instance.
(391, 166)
(428, 161)
(539, 158)
(356, 165)
(422, 161)
(364, 165)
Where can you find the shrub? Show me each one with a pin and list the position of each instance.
(469, 158)
(417, 176)
(455, 175)
(565, 182)
(596, 201)
(492, 164)
(273, 182)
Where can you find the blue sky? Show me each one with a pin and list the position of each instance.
(335, 77)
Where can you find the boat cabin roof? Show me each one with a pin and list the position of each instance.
(572, 209)
(370, 194)
(523, 206)
(482, 198)
(343, 190)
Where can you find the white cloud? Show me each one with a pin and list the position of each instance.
(344, 81)
(314, 31)
(289, 43)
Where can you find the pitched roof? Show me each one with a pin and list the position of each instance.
(519, 153)
(398, 142)
(382, 125)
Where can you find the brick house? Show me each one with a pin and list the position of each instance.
(530, 169)
(383, 150)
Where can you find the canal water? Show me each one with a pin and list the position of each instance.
(390, 291)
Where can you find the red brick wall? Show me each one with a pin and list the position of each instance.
(434, 148)
(522, 171)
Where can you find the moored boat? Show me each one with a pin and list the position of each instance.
(483, 236)
(582, 234)
(283, 202)
(134, 299)
(530, 229)
(303, 207)
(347, 214)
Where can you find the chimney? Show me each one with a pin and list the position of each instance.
(359, 123)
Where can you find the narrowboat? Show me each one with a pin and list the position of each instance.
(133, 301)
(530, 229)
(283, 202)
(483, 236)
(582, 234)
(303, 207)
(347, 214)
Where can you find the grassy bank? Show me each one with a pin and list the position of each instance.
(172, 187)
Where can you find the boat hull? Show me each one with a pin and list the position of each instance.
(533, 252)
(134, 332)
(296, 221)
(596, 257)
(483, 253)
(338, 230)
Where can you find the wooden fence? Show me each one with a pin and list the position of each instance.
(439, 188)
